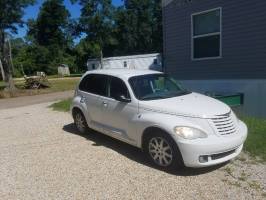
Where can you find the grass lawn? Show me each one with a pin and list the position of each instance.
(256, 141)
(62, 84)
(63, 105)
(2, 84)
(70, 76)
(57, 85)
(255, 144)
(18, 83)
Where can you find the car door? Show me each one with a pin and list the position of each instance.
(117, 115)
(93, 88)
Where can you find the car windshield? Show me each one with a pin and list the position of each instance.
(155, 86)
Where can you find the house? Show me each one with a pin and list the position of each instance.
(145, 61)
(219, 47)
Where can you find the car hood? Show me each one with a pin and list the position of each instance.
(191, 105)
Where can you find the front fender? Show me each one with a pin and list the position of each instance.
(168, 122)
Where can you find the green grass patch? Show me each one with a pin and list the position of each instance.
(63, 106)
(256, 141)
(70, 76)
(57, 85)
(2, 84)
(75, 75)
(62, 84)
(17, 83)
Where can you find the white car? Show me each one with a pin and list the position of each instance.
(150, 110)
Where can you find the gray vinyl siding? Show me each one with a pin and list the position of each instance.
(243, 40)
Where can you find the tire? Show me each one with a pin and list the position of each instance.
(162, 151)
(80, 121)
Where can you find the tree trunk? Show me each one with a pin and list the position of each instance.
(6, 64)
(10, 55)
(2, 70)
(101, 59)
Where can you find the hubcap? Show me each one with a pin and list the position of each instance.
(80, 122)
(160, 151)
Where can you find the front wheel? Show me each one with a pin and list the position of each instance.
(163, 151)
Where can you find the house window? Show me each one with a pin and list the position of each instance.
(207, 34)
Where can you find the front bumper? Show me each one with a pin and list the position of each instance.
(215, 149)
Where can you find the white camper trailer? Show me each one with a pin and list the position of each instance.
(145, 61)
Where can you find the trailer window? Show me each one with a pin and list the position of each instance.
(125, 64)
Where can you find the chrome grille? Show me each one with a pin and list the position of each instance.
(224, 124)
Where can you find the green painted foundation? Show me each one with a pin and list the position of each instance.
(231, 100)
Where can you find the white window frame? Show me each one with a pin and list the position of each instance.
(204, 35)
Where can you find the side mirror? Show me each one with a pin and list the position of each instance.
(122, 98)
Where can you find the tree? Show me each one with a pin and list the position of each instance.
(49, 27)
(97, 23)
(11, 12)
(84, 50)
(50, 31)
(139, 27)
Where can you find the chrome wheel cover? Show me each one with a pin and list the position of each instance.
(160, 151)
(80, 123)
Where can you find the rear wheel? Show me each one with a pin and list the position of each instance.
(80, 121)
(163, 151)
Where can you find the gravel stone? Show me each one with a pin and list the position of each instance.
(42, 156)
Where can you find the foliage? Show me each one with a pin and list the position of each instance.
(50, 41)
(49, 28)
(133, 28)
(139, 27)
(84, 50)
(11, 12)
(96, 21)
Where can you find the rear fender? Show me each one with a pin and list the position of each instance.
(77, 103)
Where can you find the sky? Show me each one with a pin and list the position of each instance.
(32, 12)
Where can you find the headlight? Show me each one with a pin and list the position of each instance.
(189, 133)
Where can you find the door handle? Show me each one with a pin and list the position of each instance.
(105, 104)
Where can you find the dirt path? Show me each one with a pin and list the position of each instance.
(35, 99)
(43, 156)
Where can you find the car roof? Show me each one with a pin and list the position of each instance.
(123, 73)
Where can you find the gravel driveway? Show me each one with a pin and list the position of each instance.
(42, 156)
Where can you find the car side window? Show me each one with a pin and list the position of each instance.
(118, 88)
(95, 84)
(83, 83)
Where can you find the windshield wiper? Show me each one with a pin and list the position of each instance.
(153, 98)
(180, 93)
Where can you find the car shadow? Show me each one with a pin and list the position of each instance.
(132, 152)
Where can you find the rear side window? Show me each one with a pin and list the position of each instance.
(118, 88)
(95, 84)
